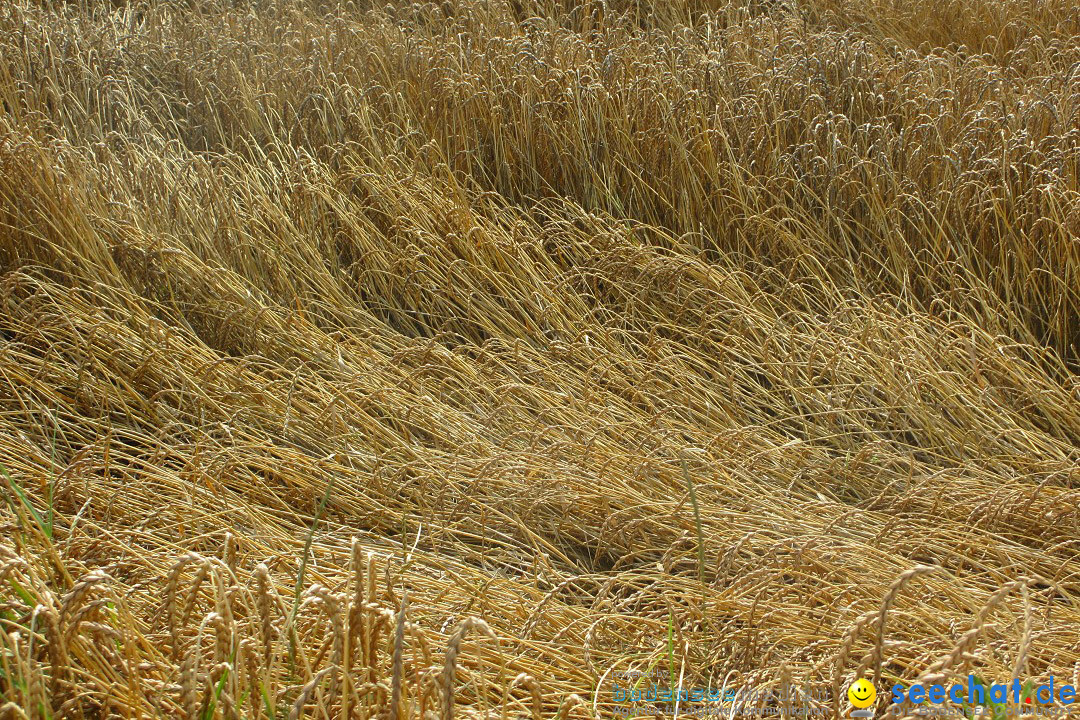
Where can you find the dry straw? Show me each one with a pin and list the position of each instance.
(734, 338)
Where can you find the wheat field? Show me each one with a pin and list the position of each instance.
(458, 359)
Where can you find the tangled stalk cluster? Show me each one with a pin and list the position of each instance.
(455, 359)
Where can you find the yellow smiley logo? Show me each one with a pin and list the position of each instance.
(862, 693)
